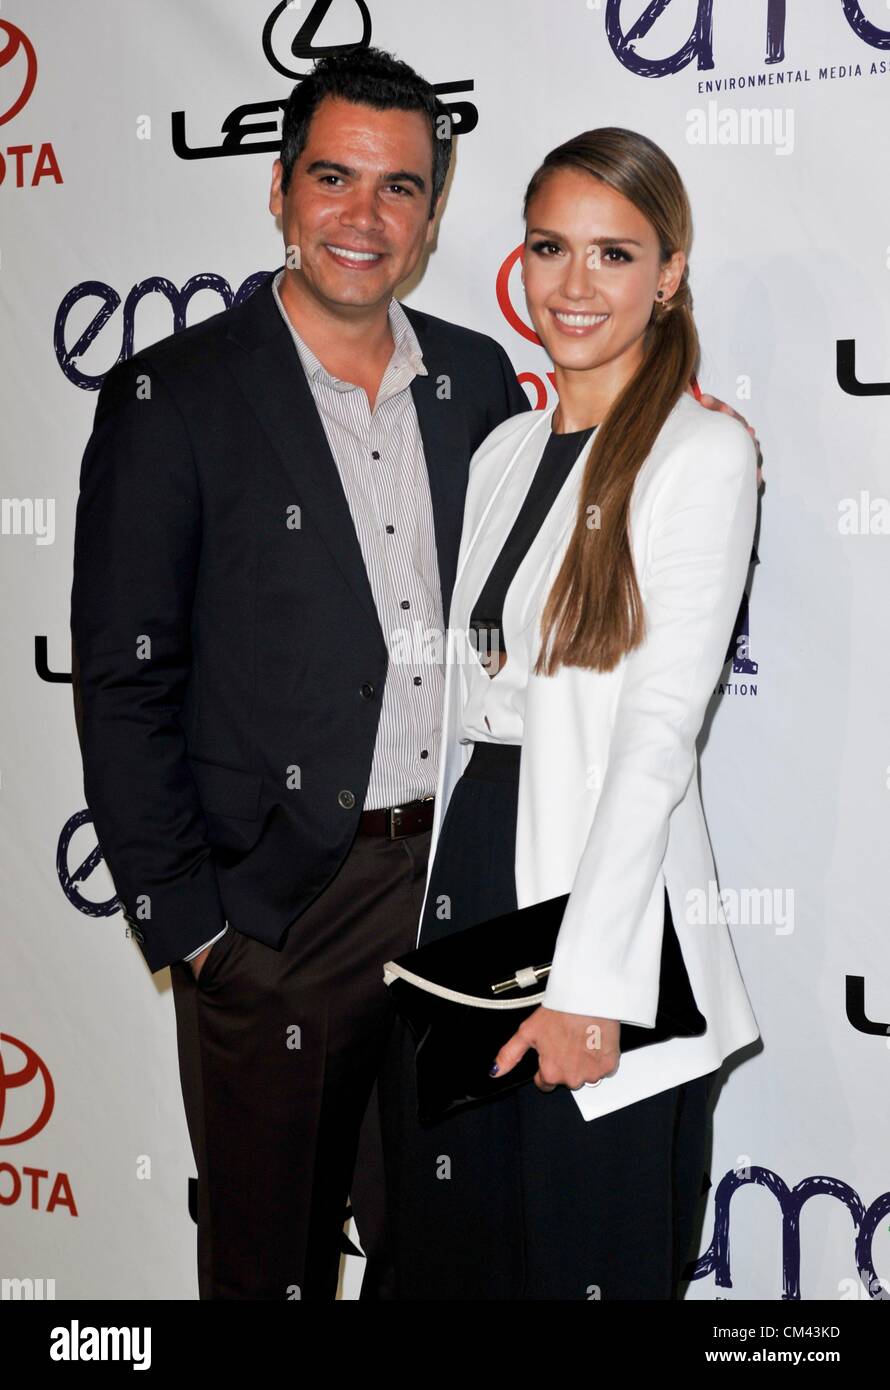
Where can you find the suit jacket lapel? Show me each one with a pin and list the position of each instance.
(270, 374)
(447, 449)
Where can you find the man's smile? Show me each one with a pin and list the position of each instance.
(356, 260)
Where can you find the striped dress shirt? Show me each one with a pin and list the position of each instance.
(379, 456)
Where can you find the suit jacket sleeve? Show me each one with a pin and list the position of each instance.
(136, 548)
(701, 530)
(515, 399)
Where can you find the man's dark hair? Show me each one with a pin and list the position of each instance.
(368, 77)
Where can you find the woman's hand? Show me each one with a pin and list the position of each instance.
(571, 1048)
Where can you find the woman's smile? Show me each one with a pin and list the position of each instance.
(577, 325)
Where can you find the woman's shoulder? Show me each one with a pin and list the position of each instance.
(695, 428)
(698, 445)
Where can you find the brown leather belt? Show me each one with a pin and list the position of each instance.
(395, 821)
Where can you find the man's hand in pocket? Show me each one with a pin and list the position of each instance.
(197, 961)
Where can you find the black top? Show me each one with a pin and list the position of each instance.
(560, 454)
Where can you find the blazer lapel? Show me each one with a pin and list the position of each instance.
(546, 552)
(518, 470)
(270, 374)
(447, 450)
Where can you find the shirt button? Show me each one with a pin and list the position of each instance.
(405, 603)
(367, 690)
(418, 680)
(424, 753)
(346, 799)
(390, 530)
(375, 454)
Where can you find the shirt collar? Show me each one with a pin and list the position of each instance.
(407, 348)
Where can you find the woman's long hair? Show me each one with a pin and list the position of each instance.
(594, 612)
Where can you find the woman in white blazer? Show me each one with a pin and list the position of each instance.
(605, 548)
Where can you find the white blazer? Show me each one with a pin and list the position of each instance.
(608, 803)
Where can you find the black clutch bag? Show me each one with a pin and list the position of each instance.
(464, 995)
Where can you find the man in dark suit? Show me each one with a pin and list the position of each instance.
(267, 533)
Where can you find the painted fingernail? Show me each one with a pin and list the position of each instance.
(493, 1069)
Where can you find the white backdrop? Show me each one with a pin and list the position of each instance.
(792, 256)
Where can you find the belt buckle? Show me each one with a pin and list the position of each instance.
(393, 811)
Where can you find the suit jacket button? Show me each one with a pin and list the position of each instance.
(346, 799)
(367, 691)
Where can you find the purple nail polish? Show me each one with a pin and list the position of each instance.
(493, 1069)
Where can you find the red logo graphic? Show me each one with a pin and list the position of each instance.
(504, 292)
(16, 42)
(45, 165)
(502, 289)
(32, 1073)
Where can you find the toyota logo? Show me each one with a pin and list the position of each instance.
(16, 42)
(30, 1077)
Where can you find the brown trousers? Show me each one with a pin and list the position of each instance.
(279, 1053)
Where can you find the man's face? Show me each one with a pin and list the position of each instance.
(361, 186)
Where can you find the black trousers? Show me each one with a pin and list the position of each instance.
(521, 1198)
(279, 1053)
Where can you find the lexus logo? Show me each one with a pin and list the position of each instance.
(295, 58)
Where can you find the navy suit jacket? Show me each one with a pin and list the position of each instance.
(227, 668)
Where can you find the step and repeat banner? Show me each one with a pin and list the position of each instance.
(136, 147)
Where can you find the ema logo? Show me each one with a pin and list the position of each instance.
(72, 880)
(292, 43)
(699, 46)
(790, 1201)
(68, 355)
(18, 66)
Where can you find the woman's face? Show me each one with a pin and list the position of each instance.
(592, 271)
